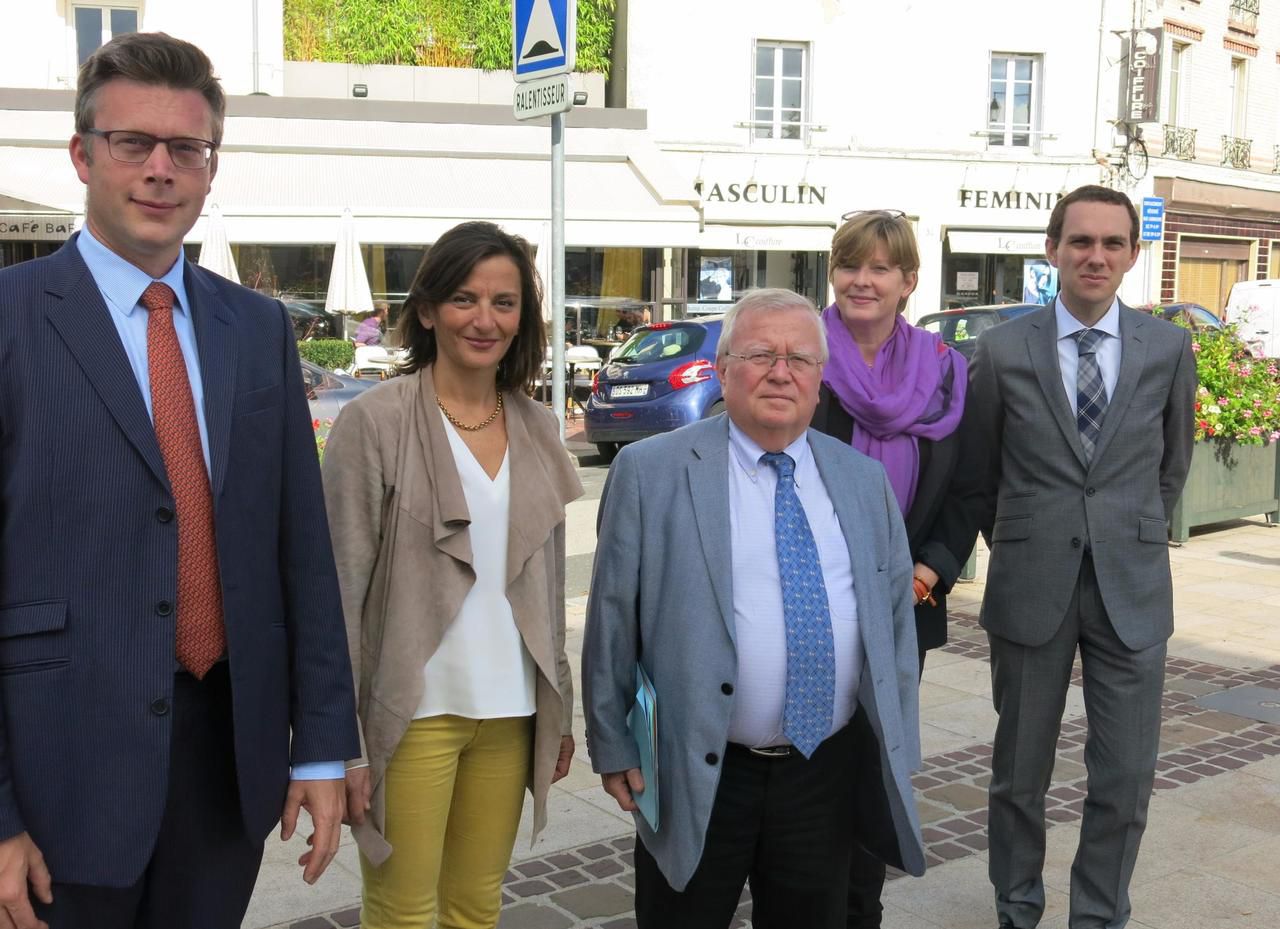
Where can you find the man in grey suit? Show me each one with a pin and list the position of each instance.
(758, 571)
(1076, 442)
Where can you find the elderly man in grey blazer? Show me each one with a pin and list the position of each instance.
(758, 571)
(1076, 442)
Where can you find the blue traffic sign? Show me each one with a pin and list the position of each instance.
(1152, 219)
(545, 36)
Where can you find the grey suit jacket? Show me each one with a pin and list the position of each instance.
(1028, 487)
(661, 594)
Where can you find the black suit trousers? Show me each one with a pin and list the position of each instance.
(779, 824)
(203, 868)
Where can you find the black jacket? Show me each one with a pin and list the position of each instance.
(929, 545)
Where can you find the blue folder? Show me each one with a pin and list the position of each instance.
(643, 723)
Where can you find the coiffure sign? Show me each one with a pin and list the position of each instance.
(1140, 76)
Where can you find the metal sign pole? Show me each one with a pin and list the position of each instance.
(557, 269)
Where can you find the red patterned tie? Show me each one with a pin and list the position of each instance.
(201, 639)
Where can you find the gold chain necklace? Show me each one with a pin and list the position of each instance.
(469, 428)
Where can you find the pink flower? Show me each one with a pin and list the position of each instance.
(1195, 346)
(1255, 431)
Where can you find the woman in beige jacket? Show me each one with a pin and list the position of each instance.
(446, 490)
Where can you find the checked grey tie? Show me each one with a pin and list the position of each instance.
(1091, 392)
(811, 663)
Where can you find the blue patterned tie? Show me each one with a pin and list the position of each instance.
(811, 655)
(1091, 392)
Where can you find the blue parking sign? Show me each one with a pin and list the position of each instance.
(544, 37)
(1152, 219)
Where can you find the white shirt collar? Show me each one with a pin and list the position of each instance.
(1068, 325)
(747, 453)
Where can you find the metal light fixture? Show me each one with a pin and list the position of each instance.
(359, 90)
(579, 98)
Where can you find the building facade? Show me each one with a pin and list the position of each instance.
(729, 149)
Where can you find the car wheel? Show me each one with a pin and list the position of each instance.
(607, 450)
(715, 410)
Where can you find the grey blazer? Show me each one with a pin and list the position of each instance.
(661, 594)
(1028, 488)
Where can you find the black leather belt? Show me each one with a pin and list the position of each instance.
(768, 751)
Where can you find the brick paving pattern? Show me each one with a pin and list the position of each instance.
(591, 886)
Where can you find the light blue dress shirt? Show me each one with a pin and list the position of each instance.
(121, 285)
(759, 626)
(1107, 352)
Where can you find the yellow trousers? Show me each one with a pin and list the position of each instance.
(454, 791)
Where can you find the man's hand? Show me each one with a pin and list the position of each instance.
(566, 756)
(326, 802)
(21, 863)
(359, 790)
(622, 785)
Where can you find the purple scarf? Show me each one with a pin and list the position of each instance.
(914, 390)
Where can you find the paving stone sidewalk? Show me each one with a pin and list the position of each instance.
(590, 887)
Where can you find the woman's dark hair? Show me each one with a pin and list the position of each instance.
(445, 267)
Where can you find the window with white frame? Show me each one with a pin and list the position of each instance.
(98, 24)
(1179, 81)
(1013, 110)
(1239, 96)
(779, 91)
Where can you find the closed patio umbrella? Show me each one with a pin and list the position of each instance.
(348, 282)
(215, 250)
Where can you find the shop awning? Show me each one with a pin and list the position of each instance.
(1015, 242)
(295, 197)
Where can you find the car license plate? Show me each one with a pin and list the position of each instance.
(629, 390)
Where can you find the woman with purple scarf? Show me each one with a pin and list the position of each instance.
(896, 393)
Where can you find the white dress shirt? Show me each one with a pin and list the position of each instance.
(760, 695)
(1107, 351)
(481, 669)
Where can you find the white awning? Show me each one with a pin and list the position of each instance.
(406, 199)
(1018, 242)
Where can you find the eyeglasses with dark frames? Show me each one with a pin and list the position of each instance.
(798, 362)
(888, 214)
(134, 148)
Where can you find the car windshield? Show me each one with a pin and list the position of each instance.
(957, 327)
(660, 344)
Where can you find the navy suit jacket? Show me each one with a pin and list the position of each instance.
(88, 569)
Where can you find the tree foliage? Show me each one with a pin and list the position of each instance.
(445, 33)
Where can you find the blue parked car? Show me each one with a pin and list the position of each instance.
(663, 377)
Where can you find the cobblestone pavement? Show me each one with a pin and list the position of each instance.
(590, 887)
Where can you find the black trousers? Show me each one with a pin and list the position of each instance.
(203, 868)
(866, 871)
(779, 824)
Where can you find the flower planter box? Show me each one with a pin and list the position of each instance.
(1227, 481)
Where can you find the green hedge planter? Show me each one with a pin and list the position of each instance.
(328, 353)
(1227, 481)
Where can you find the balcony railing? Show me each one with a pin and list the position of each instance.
(1244, 15)
(1276, 169)
(1237, 153)
(1179, 142)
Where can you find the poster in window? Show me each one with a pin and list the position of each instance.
(715, 279)
(1039, 281)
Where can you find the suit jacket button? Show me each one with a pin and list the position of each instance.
(712, 758)
(164, 514)
(1075, 543)
(160, 707)
(164, 608)
(726, 688)
(1089, 492)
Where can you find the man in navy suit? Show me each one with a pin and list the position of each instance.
(171, 636)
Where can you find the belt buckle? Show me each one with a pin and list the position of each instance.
(772, 751)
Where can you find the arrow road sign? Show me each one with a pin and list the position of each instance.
(544, 37)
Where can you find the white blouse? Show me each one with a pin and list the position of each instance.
(482, 669)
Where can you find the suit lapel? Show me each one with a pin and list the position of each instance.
(1042, 344)
(1133, 358)
(79, 314)
(709, 488)
(215, 343)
